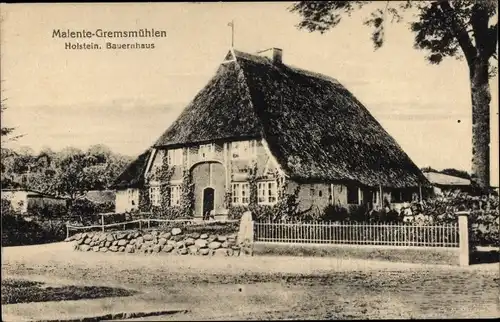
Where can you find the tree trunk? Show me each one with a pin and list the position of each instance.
(481, 97)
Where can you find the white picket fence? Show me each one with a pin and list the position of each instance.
(348, 233)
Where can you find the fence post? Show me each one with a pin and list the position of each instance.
(463, 235)
(148, 224)
(67, 230)
(102, 222)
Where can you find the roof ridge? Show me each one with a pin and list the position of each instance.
(261, 59)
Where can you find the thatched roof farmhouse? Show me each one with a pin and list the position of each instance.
(305, 126)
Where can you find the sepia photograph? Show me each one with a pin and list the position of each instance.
(195, 161)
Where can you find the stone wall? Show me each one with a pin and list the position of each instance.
(173, 241)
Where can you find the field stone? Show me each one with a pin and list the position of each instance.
(203, 236)
(102, 243)
(87, 241)
(224, 244)
(214, 245)
(195, 235)
(95, 248)
(189, 241)
(95, 237)
(84, 248)
(176, 231)
(92, 244)
(221, 238)
(220, 252)
(121, 248)
(182, 251)
(193, 249)
(229, 252)
(130, 236)
(162, 241)
(166, 235)
(201, 243)
(129, 249)
(140, 240)
(121, 235)
(168, 248)
(113, 248)
(79, 241)
(136, 234)
(171, 242)
(114, 243)
(122, 242)
(180, 244)
(148, 237)
(154, 233)
(204, 251)
(103, 249)
(132, 241)
(156, 248)
(177, 238)
(102, 237)
(77, 236)
(107, 244)
(110, 237)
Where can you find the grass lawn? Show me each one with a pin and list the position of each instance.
(270, 287)
(23, 291)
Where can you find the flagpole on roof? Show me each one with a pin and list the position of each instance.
(231, 24)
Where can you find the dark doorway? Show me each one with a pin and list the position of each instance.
(208, 201)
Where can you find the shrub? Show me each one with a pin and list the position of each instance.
(18, 230)
(170, 212)
(48, 211)
(334, 213)
(235, 212)
(483, 217)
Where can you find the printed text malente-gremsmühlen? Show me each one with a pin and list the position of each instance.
(101, 33)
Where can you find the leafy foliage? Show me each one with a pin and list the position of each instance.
(187, 195)
(70, 172)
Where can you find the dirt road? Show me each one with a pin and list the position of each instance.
(271, 287)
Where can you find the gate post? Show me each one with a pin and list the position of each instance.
(463, 235)
(246, 233)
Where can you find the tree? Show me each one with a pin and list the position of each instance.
(461, 28)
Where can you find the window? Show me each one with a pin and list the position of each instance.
(154, 195)
(320, 193)
(352, 195)
(174, 157)
(267, 192)
(131, 196)
(240, 193)
(400, 196)
(206, 151)
(243, 149)
(175, 195)
(312, 192)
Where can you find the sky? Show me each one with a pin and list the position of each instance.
(126, 99)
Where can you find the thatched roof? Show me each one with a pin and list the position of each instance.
(316, 129)
(100, 196)
(441, 179)
(133, 175)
